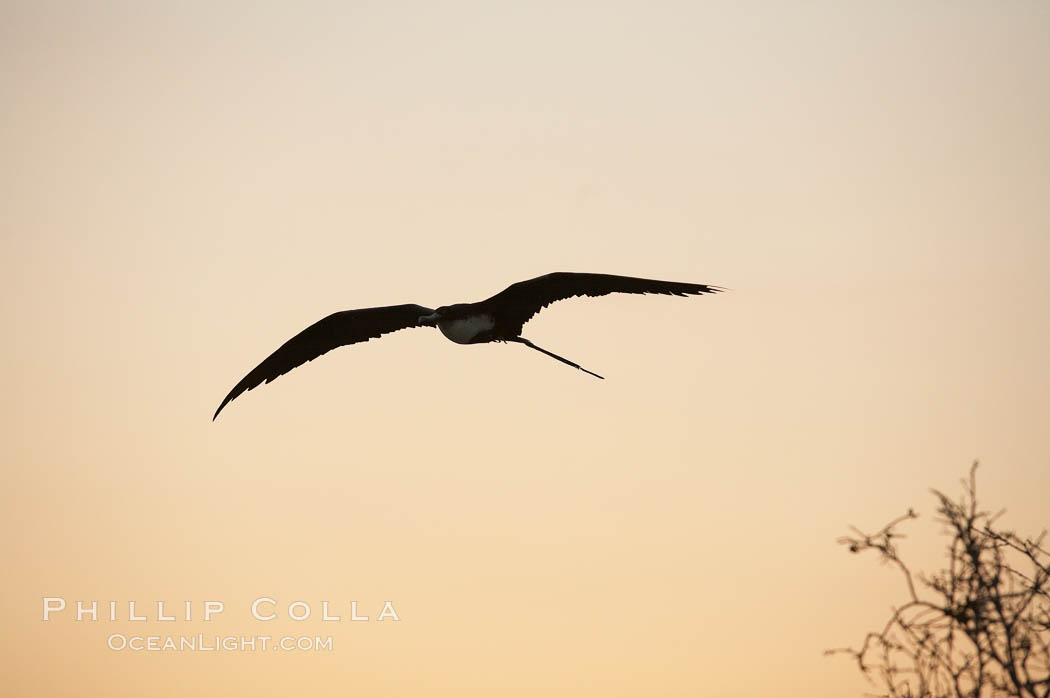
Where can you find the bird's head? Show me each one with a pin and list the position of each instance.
(445, 312)
(455, 310)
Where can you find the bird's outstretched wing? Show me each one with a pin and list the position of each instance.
(336, 330)
(519, 302)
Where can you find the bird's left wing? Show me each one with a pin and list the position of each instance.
(336, 330)
(521, 301)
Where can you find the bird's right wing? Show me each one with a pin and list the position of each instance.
(336, 330)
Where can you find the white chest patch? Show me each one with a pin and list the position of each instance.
(463, 330)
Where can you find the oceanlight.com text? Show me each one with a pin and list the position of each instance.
(218, 643)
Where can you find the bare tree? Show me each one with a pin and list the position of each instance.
(979, 628)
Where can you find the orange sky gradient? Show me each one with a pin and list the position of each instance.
(185, 186)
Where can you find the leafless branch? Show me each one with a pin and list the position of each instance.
(980, 628)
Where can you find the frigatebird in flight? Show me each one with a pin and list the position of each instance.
(497, 319)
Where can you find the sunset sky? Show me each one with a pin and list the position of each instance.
(187, 185)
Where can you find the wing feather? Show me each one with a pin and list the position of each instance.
(336, 330)
(519, 302)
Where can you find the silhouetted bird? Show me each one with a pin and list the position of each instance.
(498, 319)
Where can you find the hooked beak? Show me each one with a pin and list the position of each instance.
(430, 320)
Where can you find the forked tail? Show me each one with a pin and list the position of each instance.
(522, 340)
